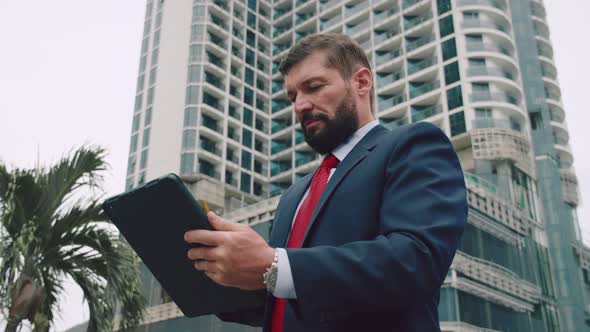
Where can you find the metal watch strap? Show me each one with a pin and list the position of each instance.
(270, 276)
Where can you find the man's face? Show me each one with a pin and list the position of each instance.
(323, 103)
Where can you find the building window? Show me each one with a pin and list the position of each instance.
(457, 121)
(246, 160)
(189, 138)
(454, 97)
(245, 183)
(138, 100)
(248, 117)
(187, 162)
(449, 49)
(248, 96)
(146, 137)
(133, 145)
(446, 26)
(251, 21)
(194, 74)
(483, 113)
(251, 38)
(143, 161)
(190, 117)
(246, 138)
(136, 120)
(249, 57)
(443, 6)
(257, 189)
(192, 94)
(249, 76)
(452, 73)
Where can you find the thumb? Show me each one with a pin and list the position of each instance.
(221, 224)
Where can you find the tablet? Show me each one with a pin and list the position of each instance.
(153, 219)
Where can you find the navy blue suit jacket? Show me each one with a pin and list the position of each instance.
(381, 239)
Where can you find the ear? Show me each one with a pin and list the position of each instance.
(363, 81)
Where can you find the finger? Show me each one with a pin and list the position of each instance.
(210, 254)
(221, 224)
(206, 266)
(208, 238)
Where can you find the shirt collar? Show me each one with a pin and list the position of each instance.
(342, 150)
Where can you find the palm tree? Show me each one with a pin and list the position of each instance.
(50, 229)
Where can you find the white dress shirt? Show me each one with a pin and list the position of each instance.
(285, 287)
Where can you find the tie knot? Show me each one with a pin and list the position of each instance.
(330, 161)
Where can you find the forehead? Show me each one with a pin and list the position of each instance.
(313, 66)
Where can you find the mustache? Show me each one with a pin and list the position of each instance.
(311, 116)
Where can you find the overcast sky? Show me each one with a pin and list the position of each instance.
(68, 71)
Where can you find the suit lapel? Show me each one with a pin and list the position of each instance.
(358, 153)
(282, 224)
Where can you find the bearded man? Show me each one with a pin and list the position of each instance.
(363, 243)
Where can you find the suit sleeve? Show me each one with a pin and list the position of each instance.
(422, 216)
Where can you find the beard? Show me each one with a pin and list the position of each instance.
(335, 131)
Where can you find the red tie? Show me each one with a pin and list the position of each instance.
(318, 183)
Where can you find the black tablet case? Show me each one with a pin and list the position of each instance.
(153, 219)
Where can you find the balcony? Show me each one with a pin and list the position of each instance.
(214, 39)
(496, 276)
(388, 78)
(279, 167)
(420, 88)
(279, 48)
(417, 43)
(393, 123)
(475, 23)
(209, 171)
(278, 125)
(302, 158)
(212, 101)
(355, 9)
(421, 113)
(210, 146)
(381, 36)
(363, 25)
(326, 4)
(414, 67)
(413, 21)
(326, 24)
(279, 146)
(382, 57)
(215, 60)
(502, 144)
(487, 209)
(280, 12)
(299, 137)
(382, 16)
(217, 21)
(280, 104)
(214, 80)
(210, 123)
(488, 71)
(497, 96)
(390, 101)
(488, 47)
(490, 3)
(280, 30)
(303, 17)
(569, 186)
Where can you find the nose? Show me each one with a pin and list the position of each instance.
(301, 106)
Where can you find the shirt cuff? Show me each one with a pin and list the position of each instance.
(284, 289)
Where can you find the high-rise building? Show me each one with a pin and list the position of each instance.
(211, 107)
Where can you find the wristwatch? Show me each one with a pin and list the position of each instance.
(270, 276)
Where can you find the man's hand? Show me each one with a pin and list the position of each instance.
(235, 254)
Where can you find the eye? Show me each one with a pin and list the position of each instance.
(314, 88)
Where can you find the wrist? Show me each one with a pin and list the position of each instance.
(269, 278)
